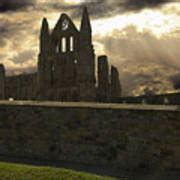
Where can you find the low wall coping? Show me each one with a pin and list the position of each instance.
(92, 105)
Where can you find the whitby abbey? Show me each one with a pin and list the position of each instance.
(66, 69)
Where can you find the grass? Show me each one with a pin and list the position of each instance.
(10, 171)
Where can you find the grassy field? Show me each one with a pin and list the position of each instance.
(10, 171)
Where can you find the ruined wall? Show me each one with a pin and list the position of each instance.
(2, 82)
(120, 136)
(21, 87)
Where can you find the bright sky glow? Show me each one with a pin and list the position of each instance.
(153, 21)
(74, 1)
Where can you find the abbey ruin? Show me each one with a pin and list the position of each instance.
(66, 68)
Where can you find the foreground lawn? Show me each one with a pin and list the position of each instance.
(10, 171)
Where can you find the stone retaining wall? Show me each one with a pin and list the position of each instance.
(117, 135)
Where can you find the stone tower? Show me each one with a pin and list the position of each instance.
(115, 84)
(87, 59)
(44, 62)
(2, 82)
(103, 79)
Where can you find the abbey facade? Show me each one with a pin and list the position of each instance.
(66, 68)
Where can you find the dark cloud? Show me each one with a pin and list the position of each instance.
(140, 4)
(100, 8)
(13, 5)
(96, 7)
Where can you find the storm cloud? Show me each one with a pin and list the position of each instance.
(140, 4)
(106, 8)
(96, 7)
(13, 5)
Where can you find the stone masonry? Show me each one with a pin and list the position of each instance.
(113, 135)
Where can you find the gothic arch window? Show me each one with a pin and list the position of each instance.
(52, 73)
(53, 68)
(57, 48)
(75, 61)
(63, 44)
(166, 100)
(71, 43)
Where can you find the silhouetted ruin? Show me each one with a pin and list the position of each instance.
(2, 82)
(66, 67)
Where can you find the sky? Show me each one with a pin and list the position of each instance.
(140, 37)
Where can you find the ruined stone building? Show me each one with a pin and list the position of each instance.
(2, 82)
(66, 67)
(21, 87)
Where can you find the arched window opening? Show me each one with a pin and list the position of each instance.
(57, 48)
(75, 61)
(166, 100)
(52, 73)
(63, 44)
(71, 43)
(53, 68)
